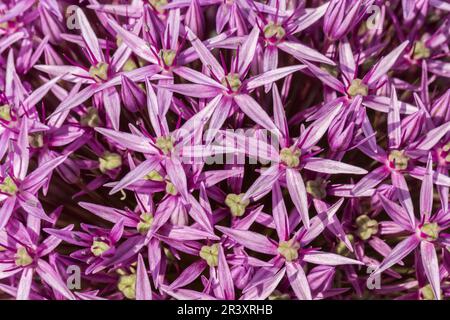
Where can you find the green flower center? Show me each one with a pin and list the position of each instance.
(91, 118)
(154, 176)
(210, 254)
(5, 112)
(8, 186)
(278, 295)
(145, 223)
(289, 249)
(421, 51)
(22, 258)
(36, 140)
(127, 285)
(129, 65)
(427, 293)
(158, 4)
(232, 81)
(366, 227)
(99, 72)
(342, 249)
(109, 161)
(165, 144)
(317, 188)
(236, 204)
(168, 57)
(170, 188)
(99, 247)
(289, 157)
(398, 160)
(272, 30)
(357, 87)
(430, 231)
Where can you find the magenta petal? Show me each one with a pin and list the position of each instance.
(431, 266)
(143, 288)
(297, 191)
(299, 283)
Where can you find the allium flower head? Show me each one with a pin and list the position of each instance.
(231, 150)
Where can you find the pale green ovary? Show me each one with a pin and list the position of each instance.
(145, 223)
(127, 285)
(233, 81)
(289, 249)
(421, 51)
(289, 157)
(5, 112)
(165, 144)
(366, 227)
(8, 186)
(22, 258)
(357, 87)
(399, 159)
(274, 30)
(431, 230)
(99, 72)
(99, 247)
(210, 254)
(109, 161)
(236, 204)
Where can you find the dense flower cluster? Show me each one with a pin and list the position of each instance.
(224, 149)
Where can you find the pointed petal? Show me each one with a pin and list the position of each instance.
(189, 275)
(263, 289)
(253, 110)
(53, 279)
(426, 190)
(205, 55)
(139, 46)
(89, 36)
(251, 240)
(394, 123)
(271, 76)
(347, 61)
(431, 266)
(325, 77)
(298, 194)
(224, 276)
(372, 179)
(331, 166)
(302, 52)
(136, 174)
(299, 283)
(396, 213)
(432, 137)
(24, 287)
(328, 259)
(143, 288)
(280, 216)
(397, 254)
(399, 182)
(129, 141)
(6, 211)
(384, 65)
(263, 183)
(247, 50)
(279, 113)
(197, 77)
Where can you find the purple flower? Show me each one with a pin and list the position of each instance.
(171, 149)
